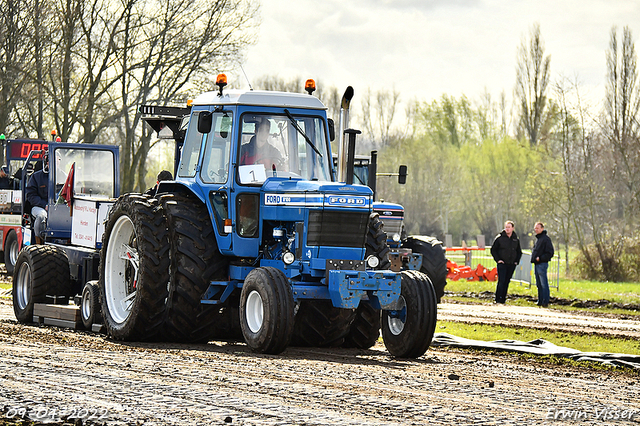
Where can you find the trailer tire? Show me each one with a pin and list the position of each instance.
(408, 332)
(41, 271)
(266, 310)
(320, 324)
(134, 269)
(365, 328)
(11, 251)
(434, 260)
(90, 305)
(195, 262)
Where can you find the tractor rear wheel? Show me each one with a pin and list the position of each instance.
(266, 310)
(195, 262)
(365, 328)
(408, 329)
(134, 269)
(434, 260)
(41, 271)
(376, 242)
(319, 324)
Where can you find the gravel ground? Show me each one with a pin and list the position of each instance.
(48, 373)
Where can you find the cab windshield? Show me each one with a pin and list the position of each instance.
(282, 146)
(91, 172)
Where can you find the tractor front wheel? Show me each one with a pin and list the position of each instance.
(407, 329)
(266, 310)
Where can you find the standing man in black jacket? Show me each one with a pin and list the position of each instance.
(507, 253)
(540, 257)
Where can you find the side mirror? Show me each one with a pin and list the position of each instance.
(204, 121)
(332, 129)
(402, 175)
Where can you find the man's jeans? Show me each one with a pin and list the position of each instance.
(505, 272)
(540, 270)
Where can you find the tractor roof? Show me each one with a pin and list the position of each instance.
(260, 98)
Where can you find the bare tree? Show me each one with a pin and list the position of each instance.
(532, 81)
(163, 62)
(622, 105)
(378, 113)
(15, 21)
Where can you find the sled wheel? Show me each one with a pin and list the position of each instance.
(90, 305)
(11, 251)
(41, 271)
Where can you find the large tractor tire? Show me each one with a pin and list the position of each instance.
(365, 328)
(434, 260)
(195, 262)
(266, 310)
(407, 331)
(376, 242)
(134, 269)
(41, 271)
(319, 324)
(11, 251)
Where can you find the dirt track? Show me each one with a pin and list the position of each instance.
(43, 369)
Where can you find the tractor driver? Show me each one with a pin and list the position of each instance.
(37, 193)
(260, 151)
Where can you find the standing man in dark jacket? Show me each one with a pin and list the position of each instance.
(540, 257)
(507, 253)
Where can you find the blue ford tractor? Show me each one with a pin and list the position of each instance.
(257, 238)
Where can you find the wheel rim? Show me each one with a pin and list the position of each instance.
(121, 270)
(13, 252)
(254, 311)
(85, 306)
(23, 286)
(396, 322)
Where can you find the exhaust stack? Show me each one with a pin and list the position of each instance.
(343, 124)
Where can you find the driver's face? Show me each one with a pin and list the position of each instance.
(262, 133)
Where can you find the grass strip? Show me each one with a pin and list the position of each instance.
(584, 342)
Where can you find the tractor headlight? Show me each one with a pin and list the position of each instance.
(396, 238)
(288, 257)
(373, 262)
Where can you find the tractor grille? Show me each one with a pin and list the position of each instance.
(392, 226)
(337, 228)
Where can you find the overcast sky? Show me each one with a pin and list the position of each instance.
(424, 48)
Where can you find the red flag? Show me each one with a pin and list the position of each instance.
(67, 189)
